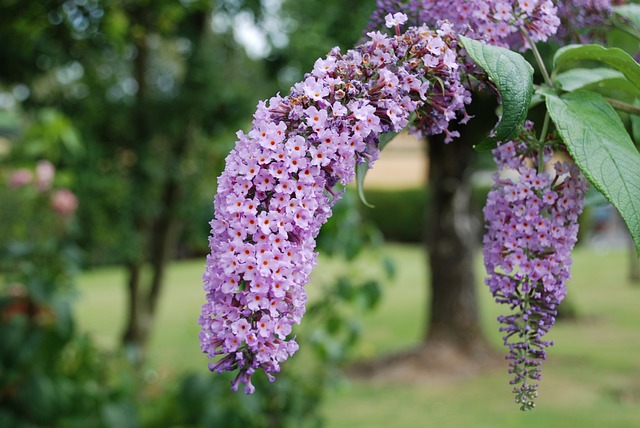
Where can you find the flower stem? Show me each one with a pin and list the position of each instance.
(538, 58)
(543, 136)
(621, 105)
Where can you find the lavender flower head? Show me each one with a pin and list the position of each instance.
(532, 226)
(499, 22)
(583, 21)
(280, 181)
(496, 22)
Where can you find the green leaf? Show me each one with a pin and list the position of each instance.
(577, 78)
(630, 12)
(362, 168)
(618, 89)
(605, 81)
(566, 56)
(371, 294)
(513, 76)
(536, 99)
(385, 139)
(601, 147)
(625, 32)
(635, 124)
(361, 171)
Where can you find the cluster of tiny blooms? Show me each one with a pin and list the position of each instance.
(531, 217)
(496, 22)
(583, 20)
(280, 182)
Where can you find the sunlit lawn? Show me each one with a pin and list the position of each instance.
(592, 378)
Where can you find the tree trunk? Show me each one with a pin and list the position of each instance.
(454, 319)
(158, 232)
(137, 325)
(453, 315)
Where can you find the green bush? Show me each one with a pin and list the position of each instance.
(49, 374)
(400, 214)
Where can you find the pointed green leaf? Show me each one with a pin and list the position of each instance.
(361, 171)
(362, 168)
(513, 76)
(635, 124)
(386, 138)
(567, 56)
(601, 147)
(577, 78)
(630, 12)
(605, 81)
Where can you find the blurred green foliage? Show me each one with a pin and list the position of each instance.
(400, 213)
(407, 209)
(330, 334)
(136, 105)
(49, 375)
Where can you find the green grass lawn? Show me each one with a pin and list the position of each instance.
(591, 378)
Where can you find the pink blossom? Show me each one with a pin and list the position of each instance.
(45, 172)
(64, 202)
(20, 177)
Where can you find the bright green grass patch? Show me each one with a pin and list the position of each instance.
(591, 378)
(174, 344)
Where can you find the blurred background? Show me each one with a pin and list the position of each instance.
(115, 120)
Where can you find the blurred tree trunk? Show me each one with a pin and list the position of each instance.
(452, 238)
(453, 313)
(158, 229)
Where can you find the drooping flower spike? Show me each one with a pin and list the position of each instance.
(532, 226)
(282, 178)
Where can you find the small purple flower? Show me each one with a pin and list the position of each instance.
(396, 19)
(532, 225)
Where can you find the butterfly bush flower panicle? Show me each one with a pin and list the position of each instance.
(497, 22)
(283, 176)
(531, 217)
(584, 21)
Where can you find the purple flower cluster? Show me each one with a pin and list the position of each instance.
(494, 21)
(532, 225)
(277, 188)
(582, 20)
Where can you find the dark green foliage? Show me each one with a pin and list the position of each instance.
(49, 375)
(331, 329)
(318, 26)
(399, 214)
(204, 400)
(142, 116)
